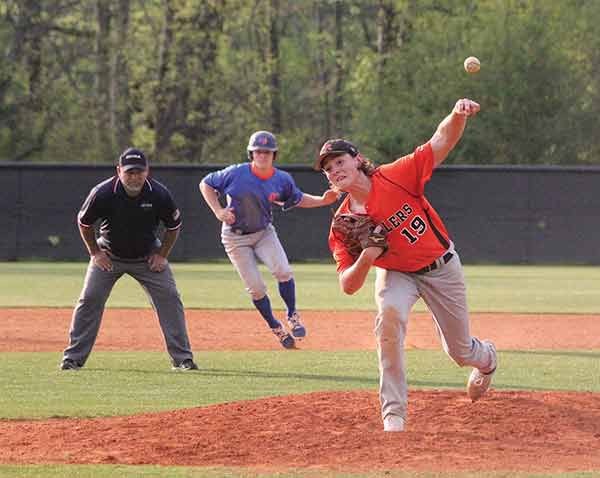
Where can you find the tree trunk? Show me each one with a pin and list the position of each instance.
(165, 104)
(275, 69)
(199, 127)
(34, 51)
(104, 145)
(323, 72)
(338, 107)
(120, 107)
(387, 34)
(27, 122)
(404, 24)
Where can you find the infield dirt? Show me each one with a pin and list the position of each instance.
(507, 430)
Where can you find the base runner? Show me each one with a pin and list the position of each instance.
(248, 234)
(413, 255)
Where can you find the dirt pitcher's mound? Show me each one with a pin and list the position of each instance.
(504, 431)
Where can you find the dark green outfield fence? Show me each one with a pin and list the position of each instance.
(494, 214)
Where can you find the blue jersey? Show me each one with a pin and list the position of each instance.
(252, 197)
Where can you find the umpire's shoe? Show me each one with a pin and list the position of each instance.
(69, 364)
(296, 326)
(479, 382)
(286, 340)
(186, 365)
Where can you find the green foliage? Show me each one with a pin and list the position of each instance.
(382, 78)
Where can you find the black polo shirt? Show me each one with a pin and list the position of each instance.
(128, 226)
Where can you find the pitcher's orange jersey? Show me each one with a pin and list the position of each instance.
(416, 234)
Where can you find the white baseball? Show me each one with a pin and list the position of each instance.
(472, 65)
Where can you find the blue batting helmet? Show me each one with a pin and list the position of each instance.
(262, 140)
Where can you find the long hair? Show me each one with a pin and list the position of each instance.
(366, 165)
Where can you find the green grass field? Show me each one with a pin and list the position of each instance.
(112, 471)
(524, 289)
(121, 471)
(124, 383)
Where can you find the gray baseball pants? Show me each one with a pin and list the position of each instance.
(443, 291)
(162, 292)
(243, 252)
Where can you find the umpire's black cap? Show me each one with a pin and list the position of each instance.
(334, 147)
(132, 158)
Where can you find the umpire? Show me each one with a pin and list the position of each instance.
(130, 207)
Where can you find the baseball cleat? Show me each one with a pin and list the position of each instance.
(393, 423)
(480, 382)
(187, 364)
(69, 364)
(286, 340)
(296, 326)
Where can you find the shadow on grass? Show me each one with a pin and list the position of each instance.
(363, 382)
(341, 379)
(216, 372)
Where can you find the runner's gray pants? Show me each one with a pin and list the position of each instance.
(245, 251)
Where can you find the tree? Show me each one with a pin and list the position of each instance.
(274, 65)
(338, 100)
(104, 138)
(323, 70)
(120, 102)
(189, 80)
(166, 95)
(24, 120)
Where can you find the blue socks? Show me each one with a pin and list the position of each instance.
(264, 307)
(287, 291)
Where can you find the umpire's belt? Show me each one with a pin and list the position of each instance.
(239, 232)
(128, 260)
(435, 264)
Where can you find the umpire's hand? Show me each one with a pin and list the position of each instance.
(102, 261)
(157, 263)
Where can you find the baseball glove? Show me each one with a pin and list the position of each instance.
(357, 232)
